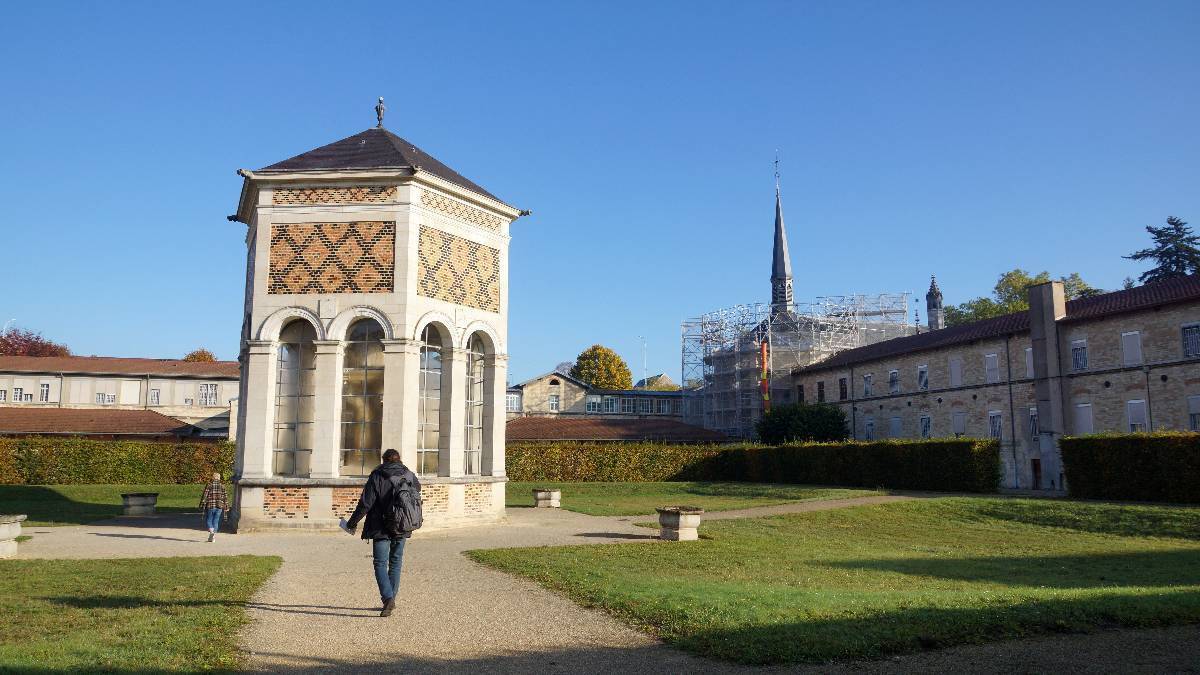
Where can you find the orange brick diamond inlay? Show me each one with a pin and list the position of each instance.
(332, 257)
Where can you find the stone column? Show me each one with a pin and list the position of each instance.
(495, 378)
(454, 415)
(258, 440)
(401, 378)
(327, 400)
(1047, 305)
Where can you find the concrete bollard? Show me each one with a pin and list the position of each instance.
(679, 523)
(10, 529)
(140, 503)
(545, 498)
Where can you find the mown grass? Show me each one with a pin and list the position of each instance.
(143, 615)
(876, 580)
(635, 499)
(49, 505)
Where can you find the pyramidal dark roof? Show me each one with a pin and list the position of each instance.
(373, 149)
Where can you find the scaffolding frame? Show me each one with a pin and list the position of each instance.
(721, 369)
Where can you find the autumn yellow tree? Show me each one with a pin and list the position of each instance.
(201, 356)
(602, 368)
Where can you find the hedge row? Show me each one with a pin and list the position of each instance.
(954, 465)
(1160, 466)
(51, 460)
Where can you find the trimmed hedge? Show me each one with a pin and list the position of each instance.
(43, 460)
(958, 465)
(1155, 467)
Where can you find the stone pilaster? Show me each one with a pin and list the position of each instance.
(494, 390)
(257, 436)
(1047, 305)
(401, 377)
(327, 390)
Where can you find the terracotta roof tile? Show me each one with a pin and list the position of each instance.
(34, 420)
(109, 365)
(606, 429)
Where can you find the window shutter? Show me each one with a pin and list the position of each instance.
(1083, 420)
(991, 367)
(1131, 348)
(1137, 414)
(1029, 372)
(955, 372)
(1194, 405)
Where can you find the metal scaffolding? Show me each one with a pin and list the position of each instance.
(722, 351)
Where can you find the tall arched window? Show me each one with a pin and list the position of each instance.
(473, 435)
(294, 399)
(429, 419)
(362, 398)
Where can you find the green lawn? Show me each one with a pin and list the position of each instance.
(79, 504)
(143, 615)
(876, 580)
(636, 499)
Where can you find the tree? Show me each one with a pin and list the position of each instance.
(1011, 294)
(803, 422)
(1128, 283)
(602, 368)
(20, 342)
(564, 367)
(200, 356)
(1176, 251)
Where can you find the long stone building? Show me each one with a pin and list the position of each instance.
(1123, 362)
(375, 317)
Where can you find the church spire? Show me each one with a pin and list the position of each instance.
(781, 262)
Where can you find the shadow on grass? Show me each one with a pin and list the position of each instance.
(1102, 570)
(617, 535)
(135, 602)
(46, 505)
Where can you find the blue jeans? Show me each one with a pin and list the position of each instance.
(389, 555)
(212, 518)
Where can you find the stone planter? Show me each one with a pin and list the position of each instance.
(139, 503)
(679, 523)
(544, 498)
(10, 529)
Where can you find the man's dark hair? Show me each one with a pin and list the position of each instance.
(391, 456)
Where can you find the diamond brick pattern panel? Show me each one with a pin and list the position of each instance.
(456, 209)
(354, 257)
(367, 194)
(458, 270)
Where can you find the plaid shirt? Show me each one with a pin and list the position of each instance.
(214, 497)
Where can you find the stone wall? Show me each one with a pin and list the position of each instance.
(535, 395)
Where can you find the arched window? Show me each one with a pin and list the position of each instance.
(362, 398)
(429, 417)
(474, 401)
(294, 399)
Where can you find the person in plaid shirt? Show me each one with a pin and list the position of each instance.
(213, 503)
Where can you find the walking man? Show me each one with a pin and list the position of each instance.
(214, 503)
(376, 504)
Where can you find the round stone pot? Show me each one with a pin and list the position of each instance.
(10, 529)
(139, 503)
(679, 523)
(545, 498)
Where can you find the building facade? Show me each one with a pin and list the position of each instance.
(375, 317)
(556, 394)
(197, 393)
(1118, 362)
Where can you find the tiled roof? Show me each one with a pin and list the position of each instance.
(1179, 289)
(606, 429)
(373, 149)
(35, 420)
(109, 365)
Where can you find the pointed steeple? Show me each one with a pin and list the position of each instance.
(934, 311)
(781, 262)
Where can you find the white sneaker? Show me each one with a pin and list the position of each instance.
(212, 536)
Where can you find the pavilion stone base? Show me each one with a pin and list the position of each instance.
(316, 504)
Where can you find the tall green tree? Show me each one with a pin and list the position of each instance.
(602, 368)
(1176, 251)
(1011, 294)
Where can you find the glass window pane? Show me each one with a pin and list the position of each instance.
(372, 436)
(353, 409)
(374, 408)
(355, 355)
(285, 438)
(374, 382)
(350, 436)
(375, 354)
(304, 439)
(284, 464)
(304, 408)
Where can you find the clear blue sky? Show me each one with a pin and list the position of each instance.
(961, 139)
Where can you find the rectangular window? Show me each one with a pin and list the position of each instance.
(1131, 348)
(1193, 412)
(895, 427)
(800, 393)
(1034, 429)
(664, 406)
(1135, 412)
(44, 393)
(19, 395)
(109, 399)
(3, 395)
(842, 387)
(1191, 340)
(956, 371)
(867, 384)
(1083, 419)
(99, 397)
(958, 423)
(155, 396)
(1079, 354)
(995, 424)
(991, 368)
(923, 378)
(644, 405)
(1029, 371)
(628, 405)
(676, 406)
(869, 428)
(894, 382)
(821, 392)
(553, 402)
(208, 394)
(926, 426)
(512, 402)
(610, 404)
(593, 404)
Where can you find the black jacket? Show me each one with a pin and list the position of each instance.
(376, 496)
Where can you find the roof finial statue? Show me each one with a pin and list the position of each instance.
(380, 108)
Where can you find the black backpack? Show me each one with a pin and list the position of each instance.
(403, 513)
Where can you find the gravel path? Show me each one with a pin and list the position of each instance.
(320, 612)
